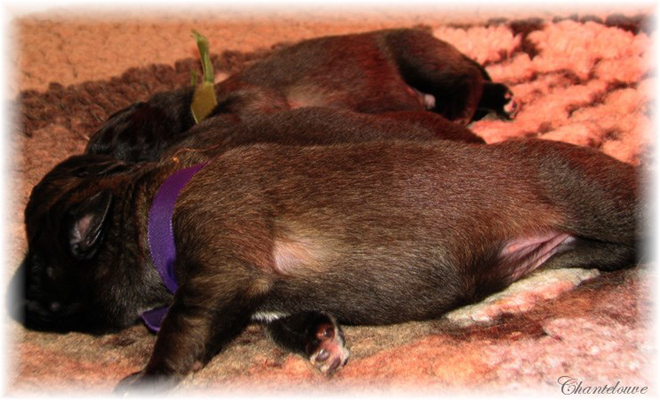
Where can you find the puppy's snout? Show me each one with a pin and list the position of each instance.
(43, 310)
(43, 315)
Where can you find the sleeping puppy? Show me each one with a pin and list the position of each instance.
(375, 72)
(310, 126)
(313, 126)
(300, 127)
(305, 237)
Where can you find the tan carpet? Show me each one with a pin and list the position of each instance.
(585, 79)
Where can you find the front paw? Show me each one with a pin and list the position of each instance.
(328, 353)
(141, 383)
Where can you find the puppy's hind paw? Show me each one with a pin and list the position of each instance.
(328, 354)
(512, 106)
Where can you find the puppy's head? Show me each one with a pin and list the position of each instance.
(69, 279)
(142, 131)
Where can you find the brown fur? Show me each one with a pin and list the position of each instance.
(370, 233)
(375, 72)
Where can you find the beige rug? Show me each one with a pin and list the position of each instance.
(583, 77)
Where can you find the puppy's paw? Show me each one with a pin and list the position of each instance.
(139, 383)
(328, 353)
(511, 105)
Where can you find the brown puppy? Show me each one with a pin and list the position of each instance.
(313, 126)
(368, 233)
(374, 72)
(308, 126)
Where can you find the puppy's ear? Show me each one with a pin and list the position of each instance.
(85, 230)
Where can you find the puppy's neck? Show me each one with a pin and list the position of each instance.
(130, 237)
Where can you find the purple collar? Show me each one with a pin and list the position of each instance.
(161, 237)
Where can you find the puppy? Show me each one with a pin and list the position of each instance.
(306, 237)
(313, 126)
(310, 126)
(375, 72)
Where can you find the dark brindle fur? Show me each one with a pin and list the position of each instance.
(364, 233)
(373, 72)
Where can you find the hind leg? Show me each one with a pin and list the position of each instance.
(455, 91)
(459, 100)
(314, 335)
(437, 68)
(461, 89)
(587, 253)
(566, 262)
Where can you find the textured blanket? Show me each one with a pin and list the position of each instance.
(582, 79)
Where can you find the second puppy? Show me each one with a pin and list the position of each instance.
(374, 72)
